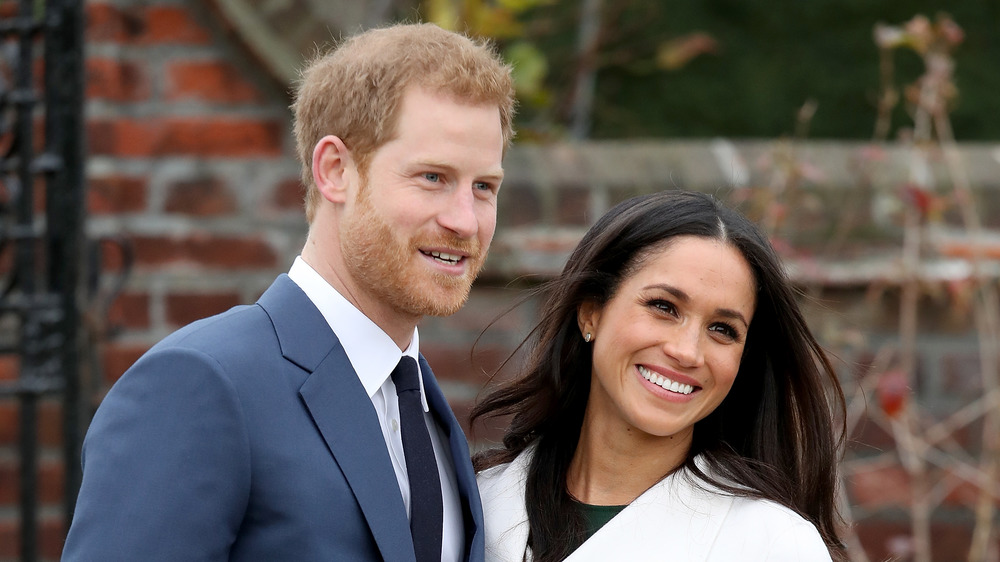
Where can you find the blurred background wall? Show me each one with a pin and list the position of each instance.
(827, 129)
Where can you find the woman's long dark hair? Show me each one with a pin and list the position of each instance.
(774, 434)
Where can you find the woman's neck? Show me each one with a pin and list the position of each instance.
(615, 465)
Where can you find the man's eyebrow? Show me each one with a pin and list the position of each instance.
(493, 173)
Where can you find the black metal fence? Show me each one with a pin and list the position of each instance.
(42, 210)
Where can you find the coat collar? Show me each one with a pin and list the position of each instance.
(336, 400)
(687, 514)
(343, 413)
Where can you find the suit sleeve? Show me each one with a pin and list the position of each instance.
(166, 465)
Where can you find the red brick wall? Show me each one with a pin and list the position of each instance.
(190, 163)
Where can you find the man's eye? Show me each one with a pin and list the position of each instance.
(432, 177)
(483, 186)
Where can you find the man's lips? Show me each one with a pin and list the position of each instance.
(447, 258)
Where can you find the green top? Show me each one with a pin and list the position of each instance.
(598, 515)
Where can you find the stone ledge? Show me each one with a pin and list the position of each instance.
(714, 164)
(537, 254)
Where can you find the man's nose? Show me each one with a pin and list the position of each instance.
(459, 214)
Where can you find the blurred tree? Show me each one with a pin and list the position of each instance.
(499, 20)
(765, 59)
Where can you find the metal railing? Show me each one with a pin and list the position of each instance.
(42, 210)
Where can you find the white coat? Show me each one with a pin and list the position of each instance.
(675, 520)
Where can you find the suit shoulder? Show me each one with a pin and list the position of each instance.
(226, 325)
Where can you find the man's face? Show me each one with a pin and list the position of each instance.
(416, 234)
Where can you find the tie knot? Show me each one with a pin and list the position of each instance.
(406, 375)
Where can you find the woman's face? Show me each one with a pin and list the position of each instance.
(667, 345)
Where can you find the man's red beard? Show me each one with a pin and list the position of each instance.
(390, 268)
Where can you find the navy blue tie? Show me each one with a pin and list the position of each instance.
(426, 511)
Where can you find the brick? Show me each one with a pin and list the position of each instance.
(8, 422)
(173, 24)
(210, 81)
(107, 23)
(879, 487)
(143, 25)
(10, 367)
(50, 423)
(882, 539)
(965, 494)
(205, 137)
(200, 197)
(50, 481)
(115, 80)
(51, 537)
(130, 310)
(289, 195)
(455, 363)
(116, 194)
(48, 429)
(10, 539)
(112, 255)
(118, 358)
(184, 309)
(885, 539)
(489, 309)
(211, 252)
(232, 253)
(518, 205)
(573, 206)
(155, 251)
(10, 483)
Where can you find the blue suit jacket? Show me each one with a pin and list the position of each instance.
(248, 436)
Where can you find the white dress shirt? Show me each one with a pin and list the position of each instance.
(374, 355)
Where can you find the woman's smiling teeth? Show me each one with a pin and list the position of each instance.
(660, 380)
(450, 259)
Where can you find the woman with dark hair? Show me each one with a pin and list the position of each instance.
(674, 405)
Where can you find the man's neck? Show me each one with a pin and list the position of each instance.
(398, 326)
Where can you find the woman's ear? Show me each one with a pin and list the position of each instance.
(331, 167)
(588, 317)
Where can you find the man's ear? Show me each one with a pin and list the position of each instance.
(331, 167)
(588, 317)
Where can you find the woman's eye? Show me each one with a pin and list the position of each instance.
(726, 330)
(432, 177)
(664, 306)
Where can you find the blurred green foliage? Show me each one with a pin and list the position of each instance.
(769, 58)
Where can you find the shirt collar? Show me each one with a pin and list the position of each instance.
(371, 351)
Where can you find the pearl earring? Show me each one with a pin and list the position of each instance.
(588, 337)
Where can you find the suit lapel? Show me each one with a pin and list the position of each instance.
(472, 509)
(343, 413)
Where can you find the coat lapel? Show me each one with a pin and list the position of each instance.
(342, 411)
(684, 519)
(506, 518)
(687, 521)
(472, 509)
